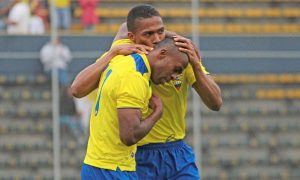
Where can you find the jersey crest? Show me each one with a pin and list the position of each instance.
(177, 82)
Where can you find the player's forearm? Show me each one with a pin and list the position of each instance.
(146, 125)
(207, 89)
(88, 79)
(140, 130)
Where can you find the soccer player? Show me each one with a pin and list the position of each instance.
(162, 154)
(119, 120)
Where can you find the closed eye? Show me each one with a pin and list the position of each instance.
(178, 70)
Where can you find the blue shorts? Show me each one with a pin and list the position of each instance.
(171, 160)
(93, 173)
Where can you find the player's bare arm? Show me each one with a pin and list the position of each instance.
(88, 79)
(132, 127)
(205, 86)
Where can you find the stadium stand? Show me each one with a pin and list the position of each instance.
(266, 126)
(250, 138)
(254, 136)
(220, 16)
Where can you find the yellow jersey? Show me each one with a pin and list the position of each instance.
(174, 94)
(123, 84)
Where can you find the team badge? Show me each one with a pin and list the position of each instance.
(177, 82)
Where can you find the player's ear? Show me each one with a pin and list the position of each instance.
(162, 53)
(131, 36)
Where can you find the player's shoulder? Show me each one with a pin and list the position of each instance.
(123, 64)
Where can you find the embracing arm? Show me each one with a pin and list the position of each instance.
(88, 79)
(205, 86)
(132, 127)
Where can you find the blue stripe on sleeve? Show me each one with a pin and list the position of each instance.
(140, 64)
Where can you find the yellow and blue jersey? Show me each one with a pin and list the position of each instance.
(174, 94)
(123, 84)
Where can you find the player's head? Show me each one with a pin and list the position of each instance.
(145, 25)
(166, 61)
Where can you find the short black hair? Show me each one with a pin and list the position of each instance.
(169, 43)
(140, 11)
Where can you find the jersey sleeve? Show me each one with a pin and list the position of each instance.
(189, 73)
(132, 92)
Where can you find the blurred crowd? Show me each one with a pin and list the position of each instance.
(33, 16)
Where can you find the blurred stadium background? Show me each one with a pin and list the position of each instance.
(251, 48)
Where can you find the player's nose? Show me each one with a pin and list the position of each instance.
(174, 76)
(156, 39)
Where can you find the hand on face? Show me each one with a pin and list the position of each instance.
(126, 49)
(187, 46)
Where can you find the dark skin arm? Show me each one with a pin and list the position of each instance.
(88, 79)
(132, 127)
(205, 86)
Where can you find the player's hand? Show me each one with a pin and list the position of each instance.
(155, 103)
(187, 46)
(126, 49)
